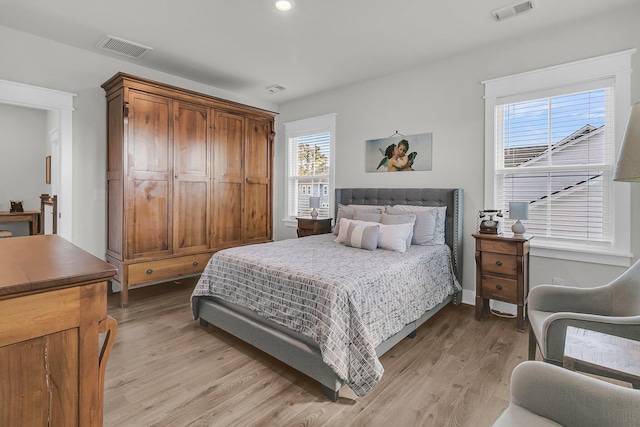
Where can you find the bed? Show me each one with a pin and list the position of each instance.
(303, 328)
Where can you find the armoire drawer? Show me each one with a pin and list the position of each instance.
(166, 269)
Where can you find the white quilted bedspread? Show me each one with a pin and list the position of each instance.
(347, 300)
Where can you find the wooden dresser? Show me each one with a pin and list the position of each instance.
(55, 335)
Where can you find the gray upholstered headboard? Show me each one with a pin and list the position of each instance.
(452, 198)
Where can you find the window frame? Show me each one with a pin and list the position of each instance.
(616, 66)
(303, 127)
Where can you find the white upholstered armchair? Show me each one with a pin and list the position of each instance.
(613, 309)
(547, 395)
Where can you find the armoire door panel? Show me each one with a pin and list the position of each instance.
(229, 147)
(148, 124)
(257, 212)
(149, 228)
(229, 215)
(191, 232)
(192, 179)
(258, 159)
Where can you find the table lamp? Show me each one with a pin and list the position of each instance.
(518, 211)
(314, 203)
(628, 164)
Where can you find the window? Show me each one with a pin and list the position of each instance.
(551, 140)
(310, 146)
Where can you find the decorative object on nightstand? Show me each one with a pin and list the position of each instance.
(502, 273)
(628, 164)
(314, 204)
(308, 226)
(518, 211)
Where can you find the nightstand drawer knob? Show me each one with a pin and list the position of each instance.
(499, 263)
(499, 287)
(150, 271)
(195, 263)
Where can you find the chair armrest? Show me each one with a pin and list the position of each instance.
(572, 399)
(554, 298)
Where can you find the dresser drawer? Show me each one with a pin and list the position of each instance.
(500, 288)
(500, 264)
(166, 269)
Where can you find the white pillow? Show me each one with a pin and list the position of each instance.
(394, 237)
(368, 208)
(430, 222)
(400, 219)
(362, 236)
(344, 228)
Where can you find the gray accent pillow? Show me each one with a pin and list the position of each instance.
(362, 236)
(350, 210)
(429, 225)
(367, 216)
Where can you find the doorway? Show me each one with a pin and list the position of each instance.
(62, 169)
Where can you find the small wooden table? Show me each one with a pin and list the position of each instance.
(308, 226)
(32, 217)
(602, 354)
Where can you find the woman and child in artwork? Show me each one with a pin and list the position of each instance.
(397, 158)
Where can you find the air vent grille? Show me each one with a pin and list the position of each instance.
(513, 10)
(275, 89)
(123, 47)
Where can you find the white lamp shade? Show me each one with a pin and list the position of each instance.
(518, 210)
(628, 164)
(314, 202)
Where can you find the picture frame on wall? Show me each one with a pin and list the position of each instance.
(399, 153)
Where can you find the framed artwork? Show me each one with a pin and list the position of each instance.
(47, 170)
(399, 153)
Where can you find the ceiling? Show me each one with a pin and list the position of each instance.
(245, 46)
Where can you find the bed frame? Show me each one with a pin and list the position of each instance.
(299, 351)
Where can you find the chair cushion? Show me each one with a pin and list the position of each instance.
(516, 416)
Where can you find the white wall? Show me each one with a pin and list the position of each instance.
(40, 62)
(446, 98)
(24, 146)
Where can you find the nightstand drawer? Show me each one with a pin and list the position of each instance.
(498, 246)
(500, 264)
(500, 288)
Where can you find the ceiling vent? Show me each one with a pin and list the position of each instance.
(275, 89)
(513, 10)
(123, 47)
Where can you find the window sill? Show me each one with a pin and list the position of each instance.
(593, 256)
(290, 222)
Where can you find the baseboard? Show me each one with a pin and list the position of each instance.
(469, 297)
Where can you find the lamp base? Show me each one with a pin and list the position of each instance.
(314, 213)
(518, 228)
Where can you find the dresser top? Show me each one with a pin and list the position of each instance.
(42, 262)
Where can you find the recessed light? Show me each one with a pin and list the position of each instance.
(283, 5)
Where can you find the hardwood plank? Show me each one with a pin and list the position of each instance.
(166, 370)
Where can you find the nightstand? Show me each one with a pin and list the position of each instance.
(308, 226)
(502, 272)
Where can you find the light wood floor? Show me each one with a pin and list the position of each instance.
(166, 370)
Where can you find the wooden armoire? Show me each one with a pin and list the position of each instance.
(187, 174)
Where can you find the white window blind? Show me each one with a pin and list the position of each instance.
(557, 154)
(309, 165)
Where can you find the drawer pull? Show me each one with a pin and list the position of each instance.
(499, 287)
(149, 271)
(499, 263)
(195, 263)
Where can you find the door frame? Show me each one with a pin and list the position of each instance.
(61, 103)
